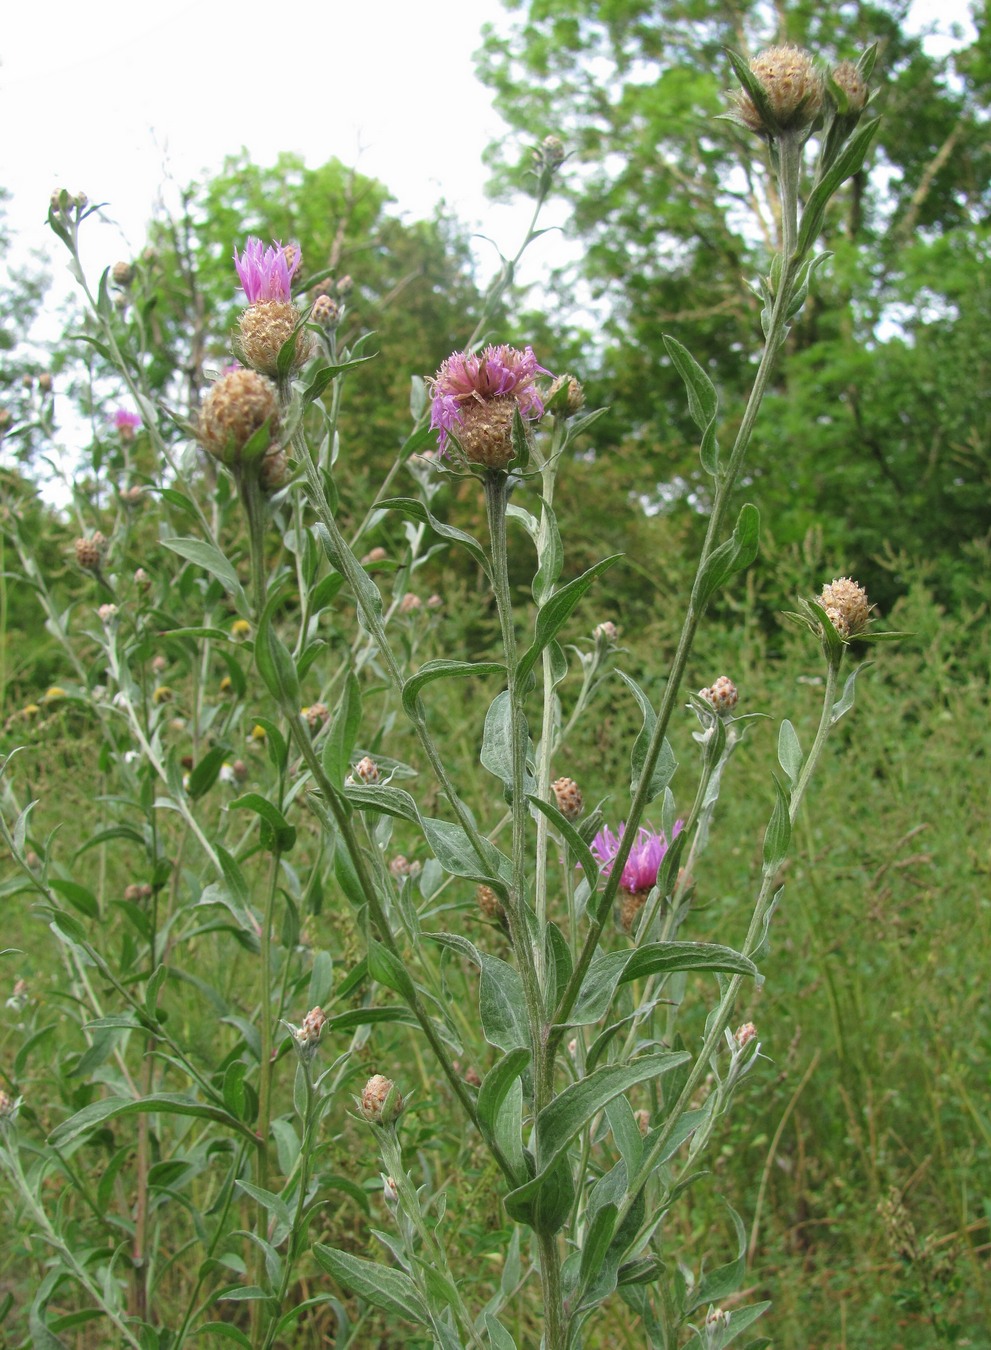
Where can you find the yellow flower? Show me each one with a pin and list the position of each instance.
(56, 691)
(240, 629)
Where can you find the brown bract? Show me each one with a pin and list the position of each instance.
(486, 432)
(235, 408)
(264, 330)
(794, 89)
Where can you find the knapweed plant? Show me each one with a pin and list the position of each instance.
(283, 987)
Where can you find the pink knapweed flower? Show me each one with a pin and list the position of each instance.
(127, 422)
(267, 273)
(646, 855)
(469, 379)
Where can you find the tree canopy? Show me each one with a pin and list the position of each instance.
(887, 364)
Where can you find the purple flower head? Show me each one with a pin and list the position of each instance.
(646, 855)
(125, 421)
(267, 273)
(480, 377)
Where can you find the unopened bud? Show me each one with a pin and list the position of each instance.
(568, 797)
(745, 1034)
(721, 695)
(107, 613)
(794, 89)
(375, 555)
(123, 274)
(410, 603)
(317, 715)
(566, 396)
(847, 606)
(381, 1102)
(325, 312)
(606, 631)
(366, 770)
(345, 286)
(848, 79)
(90, 551)
(490, 904)
(45, 382)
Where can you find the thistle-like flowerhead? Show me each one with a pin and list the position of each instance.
(267, 273)
(237, 406)
(646, 855)
(475, 395)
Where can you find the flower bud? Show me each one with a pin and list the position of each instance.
(90, 551)
(317, 715)
(490, 904)
(306, 1037)
(345, 286)
(745, 1034)
(565, 396)
(848, 79)
(238, 405)
(567, 795)
(107, 613)
(366, 770)
(381, 1103)
(794, 89)
(846, 605)
(722, 695)
(273, 471)
(123, 274)
(605, 631)
(142, 580)
(325, 312)
(45, 382)
(375, 555)
(410, 603)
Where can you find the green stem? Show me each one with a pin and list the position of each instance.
(725, 485)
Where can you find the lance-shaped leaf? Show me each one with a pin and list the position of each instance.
(444, 670)
(210, 558)
(417, 511)
(382, 1286)
(558, 609)
(658, 958)
(703, 403)
(664, 769)
(732, 556)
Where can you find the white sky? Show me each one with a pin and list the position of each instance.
(117, 97)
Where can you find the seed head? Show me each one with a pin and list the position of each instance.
(381, 1103)
(794, 88)
(568, 797)
(236, 407)
(847, 606)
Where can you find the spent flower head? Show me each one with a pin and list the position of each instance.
(267, 273)
(474, 397)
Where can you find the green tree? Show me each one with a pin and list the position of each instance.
(887, 363)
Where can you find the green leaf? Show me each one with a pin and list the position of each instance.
(581, 852)
(845, 702)
(389, 801)
(662, 957)
(323, 375)
(664, 769)
(550, 555)
(596, 1243)
(789, 752)
(382, 1286)
(343, 732)
(275, 1206)
(168, 1103)
(500, 1109)
(78, 896)
(501, 1005)
(497, 745)
(274, 660)
(408, 506)
(849, 162)
(444, 670)
(210, 558)
(598, 987)
(734, 555)
(702, 400)
(224, 1331)
(277, 834)
(573, 1107)
(720, 1283)
(777, 836)
(204, 774)
(454, 851)
(552, 616)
